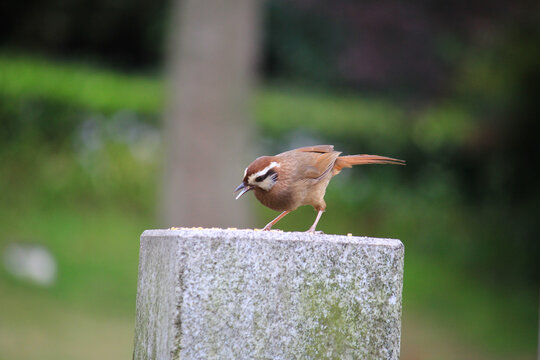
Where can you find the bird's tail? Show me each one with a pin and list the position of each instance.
(350, 160)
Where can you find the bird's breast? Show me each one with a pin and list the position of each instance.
(276, 199)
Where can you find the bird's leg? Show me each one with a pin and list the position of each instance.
(312, 228)
(273, 222)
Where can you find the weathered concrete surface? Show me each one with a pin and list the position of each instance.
(243, 294)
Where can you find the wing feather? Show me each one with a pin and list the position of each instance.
(313, 149)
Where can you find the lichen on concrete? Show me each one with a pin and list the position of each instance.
(245, 294)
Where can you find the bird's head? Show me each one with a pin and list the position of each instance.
(261, 174)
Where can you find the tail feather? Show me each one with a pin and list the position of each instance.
(350, 160)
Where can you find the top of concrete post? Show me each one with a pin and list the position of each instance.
(279, 235)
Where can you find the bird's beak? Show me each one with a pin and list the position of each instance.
(243, 189)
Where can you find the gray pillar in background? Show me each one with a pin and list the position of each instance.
(207, 127)
(245, 294)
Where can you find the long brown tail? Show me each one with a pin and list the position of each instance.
(350, 160)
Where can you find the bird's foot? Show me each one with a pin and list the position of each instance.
(313, 231)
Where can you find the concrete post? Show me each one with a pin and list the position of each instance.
(245, 294)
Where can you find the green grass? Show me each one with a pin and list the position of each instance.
(36, 325)
(96, 253)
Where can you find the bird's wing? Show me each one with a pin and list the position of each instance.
(321, 159)
(321, 164)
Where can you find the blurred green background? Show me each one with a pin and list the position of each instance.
(450, 87)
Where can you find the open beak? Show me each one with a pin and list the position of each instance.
(243, 189)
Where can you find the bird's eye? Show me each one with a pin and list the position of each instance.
(270, 172)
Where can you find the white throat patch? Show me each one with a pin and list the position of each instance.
(268, 182)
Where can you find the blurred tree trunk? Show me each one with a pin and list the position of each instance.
(212, 50)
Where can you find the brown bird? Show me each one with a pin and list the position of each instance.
(299, 177)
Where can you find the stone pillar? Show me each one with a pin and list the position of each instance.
(245, 294)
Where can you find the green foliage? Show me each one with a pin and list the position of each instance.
(76, 85)
(29, 86)
(280, 110)
(298, 46)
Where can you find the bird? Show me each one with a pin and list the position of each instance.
(298, 177)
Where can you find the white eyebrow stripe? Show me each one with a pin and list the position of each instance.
(272, 165)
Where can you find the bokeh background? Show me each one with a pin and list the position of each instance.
(451, 87)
